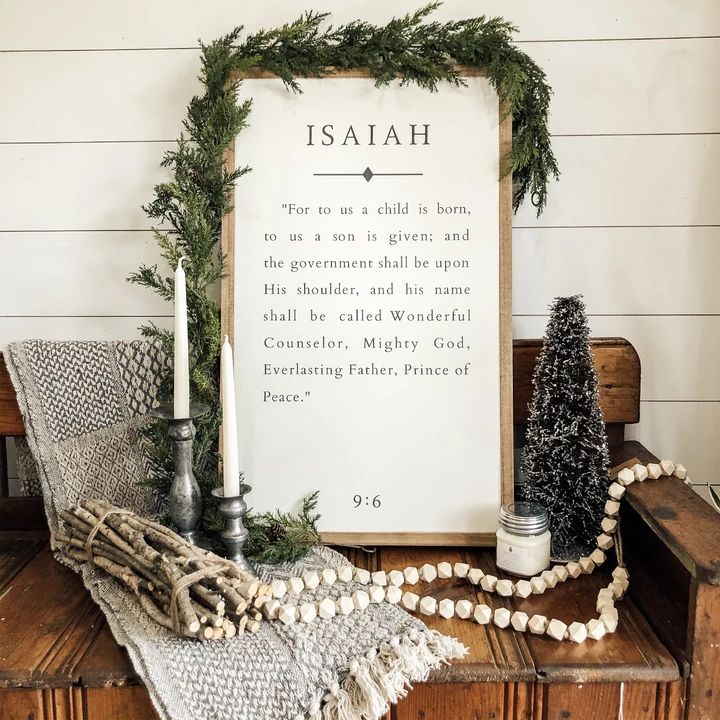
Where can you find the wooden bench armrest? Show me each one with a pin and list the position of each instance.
(680, 518)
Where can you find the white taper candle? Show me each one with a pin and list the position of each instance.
(181, 405)
(231, 464)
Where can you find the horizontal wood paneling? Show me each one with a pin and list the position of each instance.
(142, 95)
(618, 270)
(631, 87)
(77, 274)
(674, 351)
(172, 23)
(685, 432)
(655, 180)
(75, 328)
(139, 95)
(650, 180)
(77, 187)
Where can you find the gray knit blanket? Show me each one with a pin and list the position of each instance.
(83, 403)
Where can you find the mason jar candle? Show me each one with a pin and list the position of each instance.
(523, 539)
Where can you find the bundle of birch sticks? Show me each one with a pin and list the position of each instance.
(184, 588)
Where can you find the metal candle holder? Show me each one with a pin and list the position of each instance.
(235, 533)
(184, 499)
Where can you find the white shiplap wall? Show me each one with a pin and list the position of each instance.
(92, 93)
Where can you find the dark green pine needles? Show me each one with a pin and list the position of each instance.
(565, 462)
(187, 210)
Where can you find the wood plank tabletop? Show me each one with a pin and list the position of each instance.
(53, 635)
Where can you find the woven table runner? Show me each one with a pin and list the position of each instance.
(83, 403)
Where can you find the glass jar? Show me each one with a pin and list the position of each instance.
(523, 539)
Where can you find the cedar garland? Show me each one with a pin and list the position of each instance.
(190, 206)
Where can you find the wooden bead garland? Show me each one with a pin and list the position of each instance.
(386, 587)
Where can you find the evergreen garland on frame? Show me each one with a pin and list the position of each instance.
(565, 462)
(188, 209)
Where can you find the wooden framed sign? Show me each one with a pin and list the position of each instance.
(368, 299)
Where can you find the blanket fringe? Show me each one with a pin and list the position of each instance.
(384, 676)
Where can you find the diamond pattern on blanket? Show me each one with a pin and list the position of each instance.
(141, 367)
(75, 383)
(105, 465)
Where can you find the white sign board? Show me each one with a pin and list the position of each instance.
(368, 306)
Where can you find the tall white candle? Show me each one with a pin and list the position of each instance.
(181, 405)
(231, 464)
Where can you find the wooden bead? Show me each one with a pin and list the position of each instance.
(412, 576)
(608, 525)
(574, 570)
(654, 471)
(396, 578)
(271, 608)
(362, 576)
(428, 572)
(444, 570)
(621, 573)
(597, 556)
(549, 577)
(328, 576)
(379, 578)
(410, 601)
(680, 472)
(345, 573)
(537, 624)
(667, 467)
(519, 621)
(360, 600)
(586, 565)
(345, 605)
(464, 609)
(460, 569)
(428, 605)
(482, 614)
(577, 632)
(618, 589)
(376, 593)
(560, 572)
(616, 491)
(501, 617)
(278, 588)
(523, 588)
(475, 575)
(504, 588)
(609, 621)
(605, 542)
(626, 477)
(488, 583)
(326, 608)
(595, 629)
(640, 472)
(612, 508)
(538, 585)
(446, 608)
(393, 595)
(556, 629)
(688, 480)
(296, 585)
(604, 604)
(311, 579)
(287, 614)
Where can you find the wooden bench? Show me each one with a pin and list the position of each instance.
(58, 659)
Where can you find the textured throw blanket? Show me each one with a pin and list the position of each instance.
(83, 403)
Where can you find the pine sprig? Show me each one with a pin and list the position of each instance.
(187, 210)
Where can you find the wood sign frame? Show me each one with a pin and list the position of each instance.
(485, 535)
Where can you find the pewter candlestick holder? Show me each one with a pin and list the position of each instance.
(235, 533)
(184, 499)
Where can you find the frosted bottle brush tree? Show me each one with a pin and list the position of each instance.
(565, 461)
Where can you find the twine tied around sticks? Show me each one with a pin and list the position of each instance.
(184, 582)
(96, 528)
